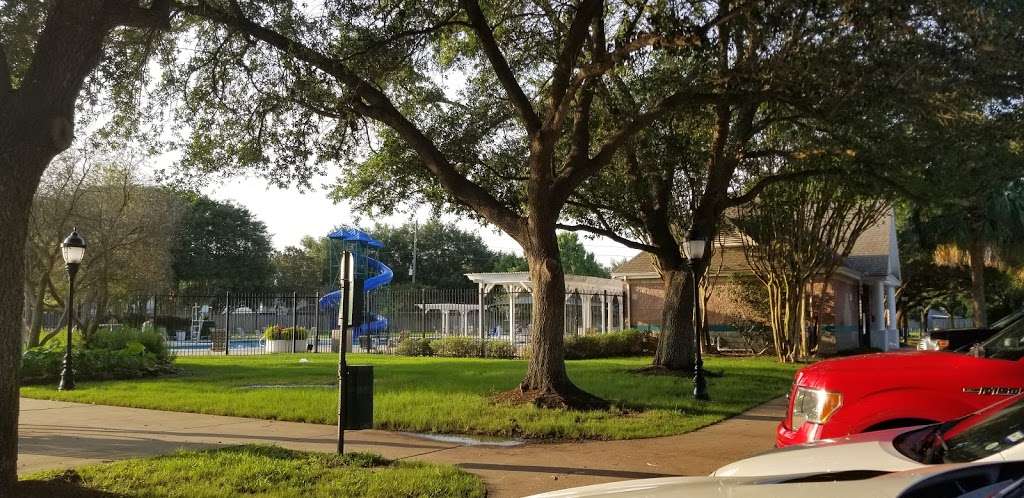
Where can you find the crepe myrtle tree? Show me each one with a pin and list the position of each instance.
(508, 138)
(828, 96)
(47, 51)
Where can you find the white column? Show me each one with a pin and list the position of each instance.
(444, 322)
(586, 312)
(890, 301)
(512, 315)
(608, 311)
(892, 335)
(878, 315)
(621, 308)
(464, 316)
(604, 313)
(480, 310)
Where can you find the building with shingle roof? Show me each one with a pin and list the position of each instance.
(857, 309)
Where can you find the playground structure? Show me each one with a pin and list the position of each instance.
(369, 270)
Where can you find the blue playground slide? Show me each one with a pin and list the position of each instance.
(382, 275)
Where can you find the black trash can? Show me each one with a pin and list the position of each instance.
(359, 397)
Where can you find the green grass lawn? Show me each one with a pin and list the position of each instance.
(445, 395)
(262, 471)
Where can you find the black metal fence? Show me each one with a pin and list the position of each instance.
(261, 323)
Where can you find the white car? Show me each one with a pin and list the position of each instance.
(993, 434)
(1004, 479)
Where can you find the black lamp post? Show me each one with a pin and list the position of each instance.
(694, 247)
(73, 249)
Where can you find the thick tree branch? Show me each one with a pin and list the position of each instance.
(371, 102)
(604, 232)
(580, 148)
(566, 62)
(156, 16)
(767, 181)
(628, 216)
(501, 67)
(573, 175)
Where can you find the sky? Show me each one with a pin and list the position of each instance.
(290, 215)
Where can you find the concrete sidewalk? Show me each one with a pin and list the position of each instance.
(54, 434)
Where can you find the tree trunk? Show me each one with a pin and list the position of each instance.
(976, 252)
(19, 177)
(675, 347)
(35, 328)
(546, 382)
(37, 123)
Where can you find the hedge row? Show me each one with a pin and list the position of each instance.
(455, 347)
(612, 344)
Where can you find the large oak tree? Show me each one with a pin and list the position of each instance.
(838, 77)
(273, 84)
(47, 51)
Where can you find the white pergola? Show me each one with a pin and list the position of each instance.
(587, 288)
(446, 309)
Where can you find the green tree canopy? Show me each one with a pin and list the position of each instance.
(221, 246)
(305, 267)
(444, 253)
(576, 259)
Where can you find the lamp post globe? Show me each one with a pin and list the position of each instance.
(694, 246)
(73, 250)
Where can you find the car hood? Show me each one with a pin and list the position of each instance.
(791, 486)
(903, 360)
(867, 451)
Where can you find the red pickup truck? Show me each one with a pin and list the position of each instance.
(842, 396)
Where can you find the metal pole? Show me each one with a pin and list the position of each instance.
(700, 384)
(415, 235)
(316, 322)
(67, 373)
(342, 367)
(293, 322)
(227, 323)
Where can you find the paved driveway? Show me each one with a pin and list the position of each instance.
(56, 434)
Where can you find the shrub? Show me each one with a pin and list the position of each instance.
(152, 341)
(119, 354)
(625, 343)
(456, 347)
(469, 347)
(411, 346)
(500, 349)
(279, 333)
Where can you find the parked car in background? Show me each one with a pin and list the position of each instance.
(842, 396)
(993, 434)
(961, 339)
(1005, 479)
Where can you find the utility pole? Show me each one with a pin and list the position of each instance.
(415, 235)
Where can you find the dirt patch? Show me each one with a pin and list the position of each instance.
(550, 399)
(686, 373)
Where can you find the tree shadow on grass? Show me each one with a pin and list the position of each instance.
(65, 485)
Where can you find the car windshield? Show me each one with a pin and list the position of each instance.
(1006, 320)
(972, 439)
(1006, 345)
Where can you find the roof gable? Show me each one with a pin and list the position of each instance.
(875, 254)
